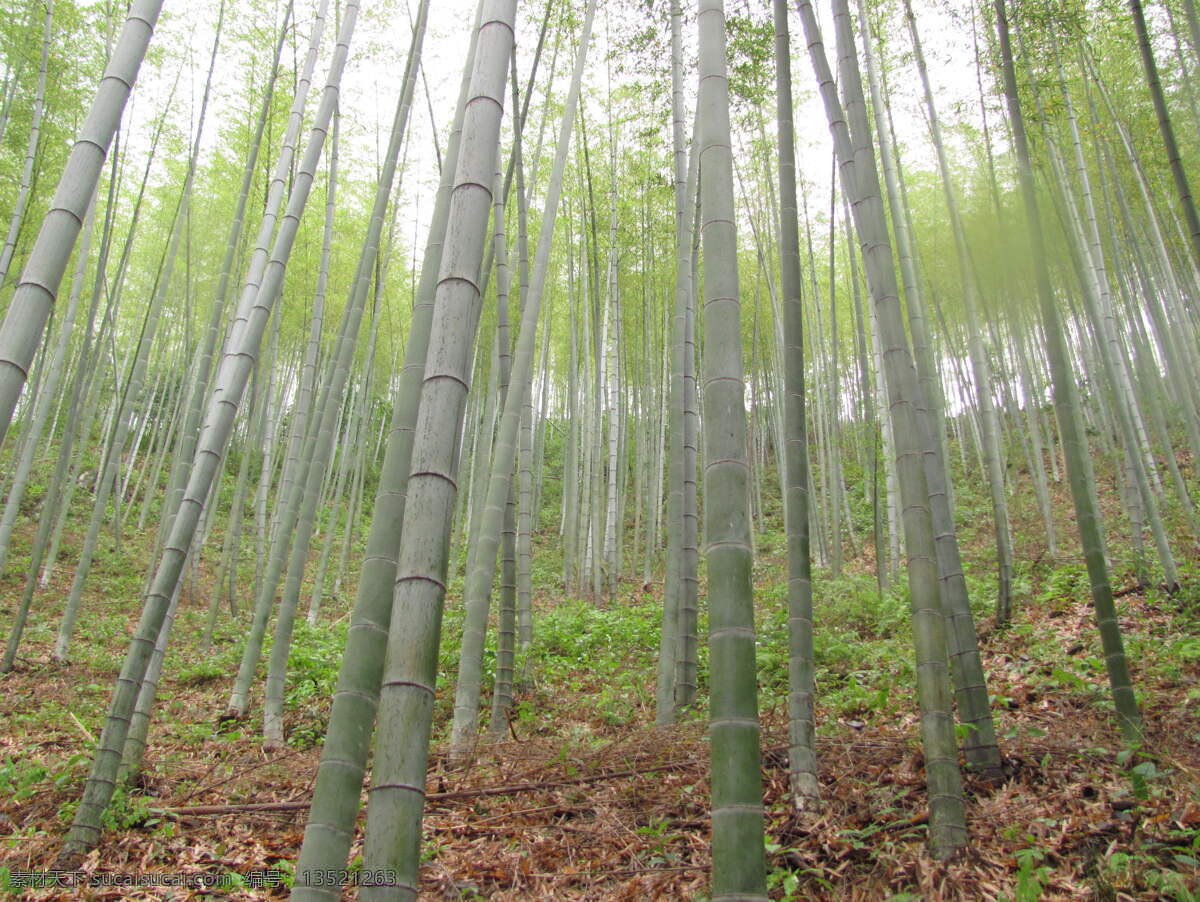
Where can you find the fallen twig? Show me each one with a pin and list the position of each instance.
(87, 734)
(435, 796)
(512, 788)
(623, 872)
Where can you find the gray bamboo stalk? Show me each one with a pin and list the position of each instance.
(37, 289)
(522, 626)
(542, 421)
(1170, 145)
(318, 446)
(1182, 361)
(61, 484)
(668, 649)
(351, 449)
(526, 520)
(35, 132)
(610, 389)
(1033, 427)
(339, 781)
(486, 431)
(1122, 405)
(13, 70)
(274, 199)
(970, 683)
(163, 422)
(1098, 302)
(300, 506)
(928, 377)
(120, 431)
(189, 434)
(318, 450)
(888, 443)
(331, 505)
(77, 431)
(410, 672)
(354, 505)
(462, 738)
(980, 367)
(654, 537)
(947, 825)
(227, 568)
(269, 442)
(226, 397)
(506, 625)
(643, 416)
(687, 625)
(302, 421)
(133, 385)
(481, 438)
(48, 392)
(816, 531)
(831, 463)
(41, 538)
(349, 468)
(477, 587)
(570, 503)
(134, 752)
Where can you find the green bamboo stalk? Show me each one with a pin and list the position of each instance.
(739, 870)
(802, 761)
(1083, 488)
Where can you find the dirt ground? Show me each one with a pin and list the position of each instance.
(601, 811)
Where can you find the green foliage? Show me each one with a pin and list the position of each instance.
(21, 779)
(604, 640)
(1121, 872)
(608, 651)
(660, 839)
(750, 50)
(783, 879)
(196, 670)
(313, 663)
(600, 655)
(1031, 874)
(863, 662)
(1065, 583)
(125, 811)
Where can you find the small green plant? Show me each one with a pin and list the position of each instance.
(313, 663)
(1173, 885)
(1031, 875)
(659, 838)
(287, 871)
(1146, 780)
(123, 812)
(21, 779)
(963, 731)
(785, 880)
(1186, 649)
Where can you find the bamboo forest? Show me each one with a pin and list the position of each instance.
(653, 449)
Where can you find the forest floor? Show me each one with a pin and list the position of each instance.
(585, 799)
